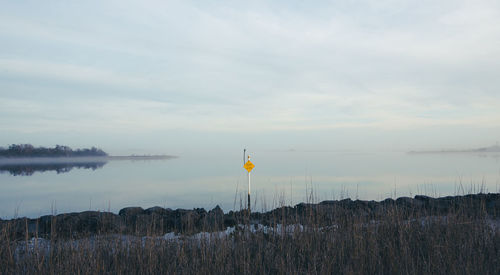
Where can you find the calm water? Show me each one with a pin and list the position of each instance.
(208, 180)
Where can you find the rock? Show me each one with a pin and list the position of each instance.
(158, 221)
(302, 208)
(134, 223)
(157, 210)
(424, 199)
(217, 212)
(405, 202)
(87, 223)
(387, 202)
(215, 219)
(230, 219)
(131, 211)
(492, 204)
(347, 201)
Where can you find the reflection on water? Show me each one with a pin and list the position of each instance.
(28, 169)
(205, 180)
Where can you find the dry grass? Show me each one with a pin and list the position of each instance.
(398, 242)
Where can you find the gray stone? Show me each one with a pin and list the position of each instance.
(131, 211)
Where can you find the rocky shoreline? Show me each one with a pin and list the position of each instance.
(159, 221)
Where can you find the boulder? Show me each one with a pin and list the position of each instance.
(131, 211)
(230, 219)
(157, 210)
(215, 219)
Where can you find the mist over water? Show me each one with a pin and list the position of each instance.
(205, 180)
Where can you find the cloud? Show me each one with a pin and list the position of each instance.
(134, 66)
(76, 74)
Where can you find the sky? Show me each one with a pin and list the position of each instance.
(177, 77)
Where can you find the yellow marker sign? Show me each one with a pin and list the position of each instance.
(249, 166)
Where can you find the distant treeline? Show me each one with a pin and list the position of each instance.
(28, 150)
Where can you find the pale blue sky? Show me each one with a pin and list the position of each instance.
(177, 76)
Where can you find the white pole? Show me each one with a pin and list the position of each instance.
(248, 188)
(248, 191)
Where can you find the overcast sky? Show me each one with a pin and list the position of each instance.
(175, 76)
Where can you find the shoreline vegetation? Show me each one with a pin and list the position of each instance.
(25, 159)
(27, 153)
(420, 235)
(489, 149)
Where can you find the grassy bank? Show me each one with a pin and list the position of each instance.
(464, 240)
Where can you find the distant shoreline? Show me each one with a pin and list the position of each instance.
(145, 157)
(490, 149)
(78, 159)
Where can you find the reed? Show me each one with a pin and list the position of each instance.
(397, 240)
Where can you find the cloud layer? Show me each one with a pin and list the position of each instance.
(132, 66)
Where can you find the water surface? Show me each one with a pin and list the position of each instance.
(206, 180)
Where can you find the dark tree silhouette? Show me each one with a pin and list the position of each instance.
(28, 150)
